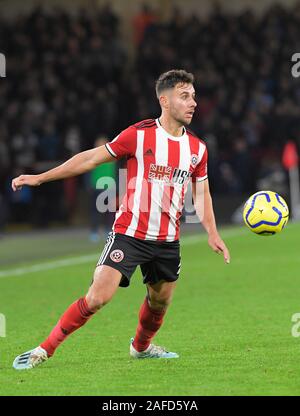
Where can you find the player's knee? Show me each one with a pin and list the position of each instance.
(159, 303)
(96, 302)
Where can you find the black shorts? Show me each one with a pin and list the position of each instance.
(159, 260)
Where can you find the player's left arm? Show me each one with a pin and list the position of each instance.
(204, 209)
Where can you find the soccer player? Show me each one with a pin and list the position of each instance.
(162, 157)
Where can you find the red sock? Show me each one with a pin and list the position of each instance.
(74, 317)
(150, 321)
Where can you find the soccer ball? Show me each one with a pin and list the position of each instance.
(266, 213)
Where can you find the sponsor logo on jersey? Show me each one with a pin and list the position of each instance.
(158, 173)
(164, 174)
(180, 176)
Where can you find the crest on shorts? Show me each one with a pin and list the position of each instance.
(117, 256)
(194, 160)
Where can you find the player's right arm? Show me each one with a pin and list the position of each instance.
(123, 145)
(81, 163)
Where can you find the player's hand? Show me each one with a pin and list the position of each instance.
(30, 180)
(218, 246)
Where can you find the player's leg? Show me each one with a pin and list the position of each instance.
(105, 283)
(160, 275)
(152, 313)
(160, 295)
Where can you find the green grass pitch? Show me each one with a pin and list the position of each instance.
(231, 325)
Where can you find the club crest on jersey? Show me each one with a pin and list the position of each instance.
(117, 256)
(194, 160)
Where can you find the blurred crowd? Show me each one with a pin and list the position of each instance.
(248, 101)
(71, 79)
(63, 88)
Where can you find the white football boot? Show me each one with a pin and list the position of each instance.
(30, 359)
(153, 351)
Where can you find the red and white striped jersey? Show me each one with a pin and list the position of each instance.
(159, 167)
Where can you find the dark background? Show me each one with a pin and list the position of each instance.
(73, 75)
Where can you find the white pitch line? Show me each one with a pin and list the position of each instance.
(20, 271)
(197, 238)
(48, 266)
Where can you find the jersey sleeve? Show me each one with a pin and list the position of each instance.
(124, 144)
(200, 173)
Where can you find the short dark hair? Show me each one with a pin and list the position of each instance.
(171, 78)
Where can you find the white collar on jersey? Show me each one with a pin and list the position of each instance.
(176, 138)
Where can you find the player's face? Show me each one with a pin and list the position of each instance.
(182, 103)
